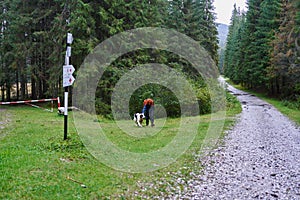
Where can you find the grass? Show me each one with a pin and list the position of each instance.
(285, 107)
(36, 163)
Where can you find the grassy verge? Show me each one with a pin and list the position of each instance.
(35, 162)
(287, 108)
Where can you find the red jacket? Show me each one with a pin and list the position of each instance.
(148, 102)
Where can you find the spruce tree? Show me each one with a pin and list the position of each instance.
(233, 46)
(284, 70)
(268, 24)
(252, 17)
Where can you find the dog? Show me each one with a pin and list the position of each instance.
(61, 110)
(138, 119)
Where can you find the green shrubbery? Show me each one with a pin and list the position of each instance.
(175, 86)
(292, 104)
(167, 103)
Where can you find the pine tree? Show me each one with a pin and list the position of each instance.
(233, 49)
(33, 40)
(175, 19)
(209, 30)
(262, 52)
(268, 24)
(252, 17)
(196, 20)
(7, 48)
(3, 27)
(29, 42)
(284, 70)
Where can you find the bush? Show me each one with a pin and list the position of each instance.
(103, 108)
(165, 98)
(204, 100)
(231, 101)
(292, 104)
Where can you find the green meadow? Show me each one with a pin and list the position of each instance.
(36, 163)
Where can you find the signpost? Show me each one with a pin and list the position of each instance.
(68, 80)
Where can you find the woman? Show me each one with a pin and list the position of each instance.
(148, 111)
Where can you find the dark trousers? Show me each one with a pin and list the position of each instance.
(149, 115)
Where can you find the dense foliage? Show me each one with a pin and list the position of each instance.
(263, 47)
(33, 42)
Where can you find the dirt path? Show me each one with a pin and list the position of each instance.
(4, 120)
(2, 117)
(260, 158)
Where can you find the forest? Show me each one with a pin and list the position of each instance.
(33, 35)
(263, 48)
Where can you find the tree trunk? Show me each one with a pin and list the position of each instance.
(2, 93)
(8, 96)
(17, 84)
(22, 81)
(40, 89)
(272, 86)
(33, 88)
(277, 86)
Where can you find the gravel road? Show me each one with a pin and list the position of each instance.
(260, 158)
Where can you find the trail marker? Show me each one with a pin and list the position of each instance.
(68, 78)
(69, 38)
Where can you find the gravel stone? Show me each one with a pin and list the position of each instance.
(260, 158)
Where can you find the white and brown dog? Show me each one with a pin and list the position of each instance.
(138, 119)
